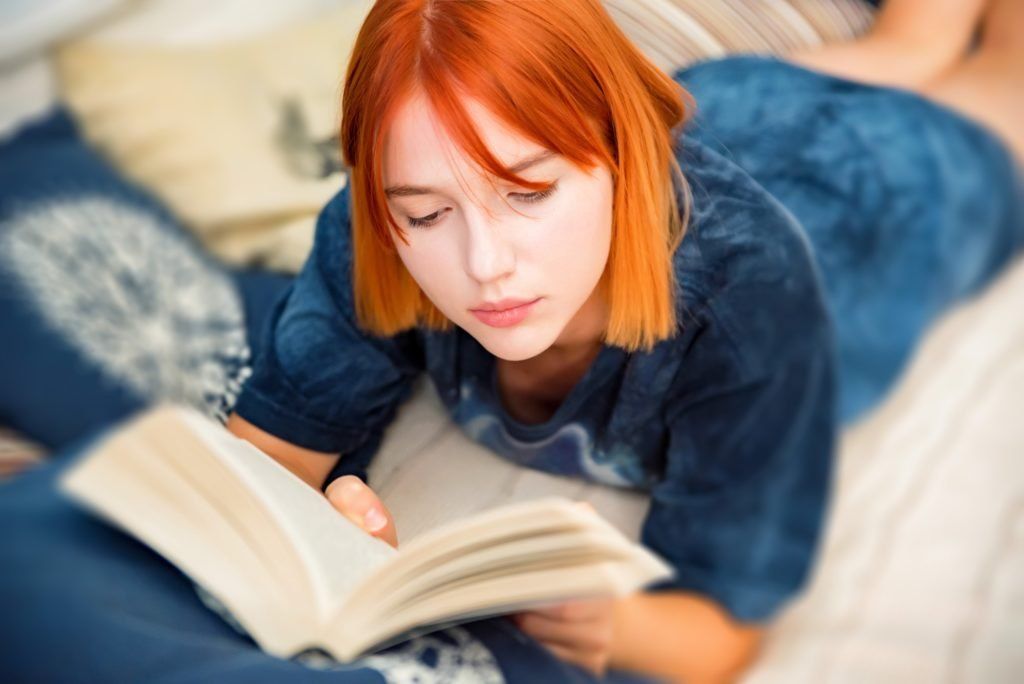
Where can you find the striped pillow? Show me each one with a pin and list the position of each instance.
(674, 33)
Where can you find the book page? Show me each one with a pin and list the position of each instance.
(489, 528)
(496, 596)
(509, 557)
(503, 541)
(128, 479)
(338, 553)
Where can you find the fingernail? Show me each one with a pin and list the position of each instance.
(374, 520)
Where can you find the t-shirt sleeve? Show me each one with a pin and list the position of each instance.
(751, 423)
(320, 381)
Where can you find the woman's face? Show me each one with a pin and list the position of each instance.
(472, 250)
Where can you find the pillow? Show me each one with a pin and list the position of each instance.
(241, 142)
(238, 140)
(28, 28)
(106, 302)
(675, 33)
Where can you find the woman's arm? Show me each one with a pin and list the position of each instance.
(311, 466)
(682, 636)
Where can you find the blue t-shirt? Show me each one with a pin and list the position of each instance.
(729, 425)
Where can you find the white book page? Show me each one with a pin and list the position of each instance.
(126, 481)
(337, 552)
(512, 557)
(482, 599)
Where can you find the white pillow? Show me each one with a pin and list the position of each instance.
(29, 27)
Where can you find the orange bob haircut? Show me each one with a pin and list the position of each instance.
(560, 73)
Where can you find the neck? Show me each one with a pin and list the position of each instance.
(583, 336)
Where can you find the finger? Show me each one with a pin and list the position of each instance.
(553, 611)
(582, 636)
(577, 609)
(351, 497)
(594, 663)
(354, 499)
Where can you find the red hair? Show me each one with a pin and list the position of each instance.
(560, 73)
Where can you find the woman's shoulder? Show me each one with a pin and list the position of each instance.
(744, 263)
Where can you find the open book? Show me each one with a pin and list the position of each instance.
(296, 574)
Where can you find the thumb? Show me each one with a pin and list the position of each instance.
(354, 499)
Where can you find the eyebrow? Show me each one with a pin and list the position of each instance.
(522, 165)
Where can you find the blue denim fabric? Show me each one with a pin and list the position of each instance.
(909, 206)
(828, 227)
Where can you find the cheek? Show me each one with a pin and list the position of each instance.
(429, 264)
(576, 240)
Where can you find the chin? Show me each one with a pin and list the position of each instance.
(512, 344)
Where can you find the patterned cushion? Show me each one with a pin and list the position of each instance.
(674, 33)
(106, 303)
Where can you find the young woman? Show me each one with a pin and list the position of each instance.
(680, 283)
(515, 225)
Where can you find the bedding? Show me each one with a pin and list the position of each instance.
(28, 29)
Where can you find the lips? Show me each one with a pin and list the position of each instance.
(511, 315)
(503, 304)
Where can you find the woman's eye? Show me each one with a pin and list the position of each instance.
(424, 221)
(431, 219)
(538, 196)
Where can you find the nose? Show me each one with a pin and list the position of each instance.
(489, 256)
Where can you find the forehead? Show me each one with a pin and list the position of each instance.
(419, 151)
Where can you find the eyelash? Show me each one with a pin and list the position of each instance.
(532, 197)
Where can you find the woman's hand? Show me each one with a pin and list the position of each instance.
(351, 497)
(579, 632)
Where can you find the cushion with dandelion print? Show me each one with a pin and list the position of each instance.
(106, 303)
